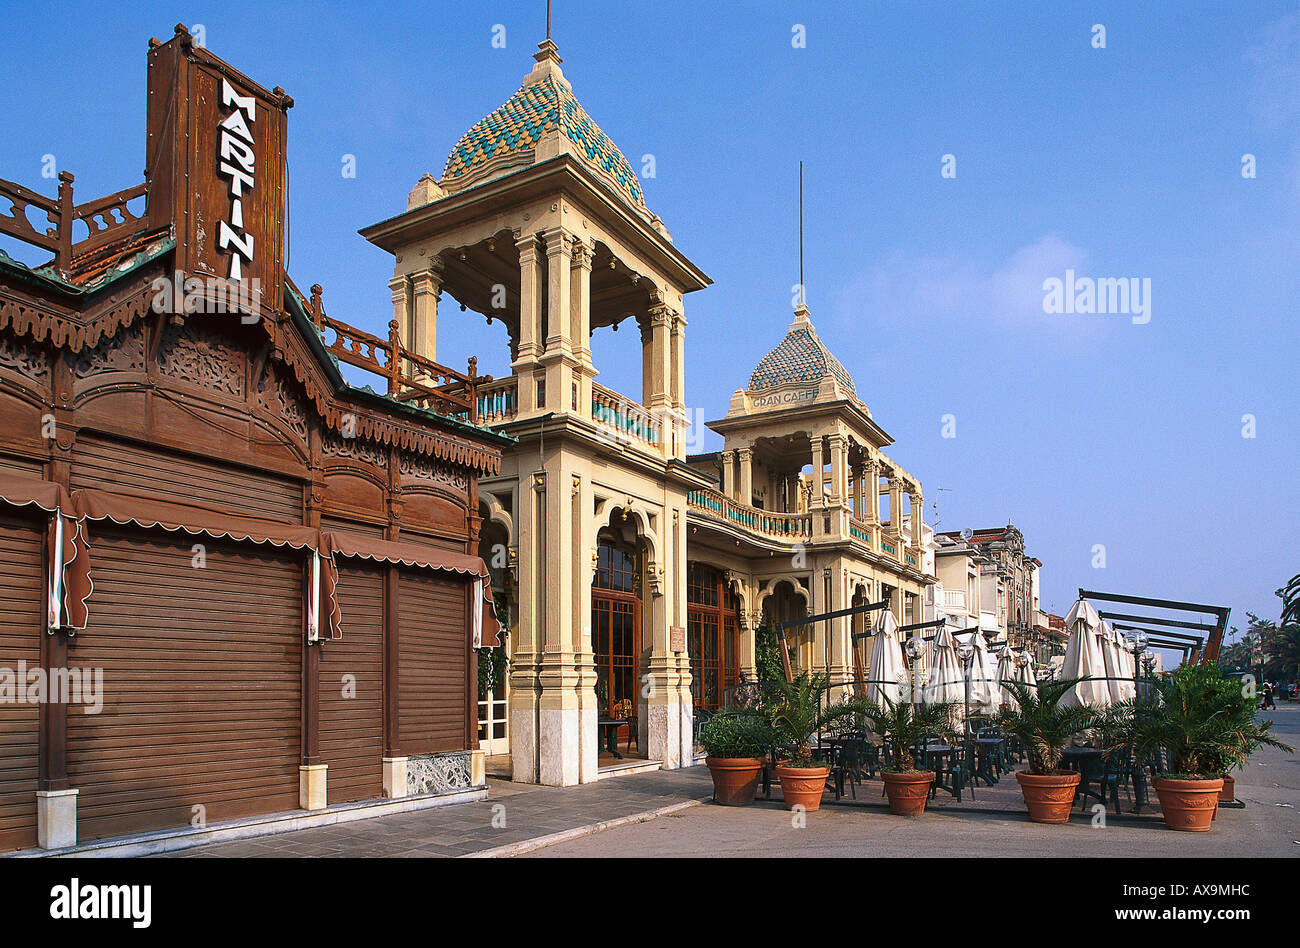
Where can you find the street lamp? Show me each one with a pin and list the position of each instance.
(915, 647)
(1139, 646)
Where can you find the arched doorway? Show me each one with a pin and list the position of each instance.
(616, 633)
(712, 635)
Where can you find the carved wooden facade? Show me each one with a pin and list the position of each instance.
(286, 594)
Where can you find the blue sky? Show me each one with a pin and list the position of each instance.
(1116, 162)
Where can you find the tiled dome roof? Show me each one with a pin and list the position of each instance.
(800, 357)
(544, 102)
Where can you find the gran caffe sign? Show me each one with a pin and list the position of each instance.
(790, 397)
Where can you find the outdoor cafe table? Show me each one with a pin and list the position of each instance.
(935, 756)
(989, 755)
(610, 726)
(1074, 758)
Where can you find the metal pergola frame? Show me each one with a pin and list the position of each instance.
(1194, 648)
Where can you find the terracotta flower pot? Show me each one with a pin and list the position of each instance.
(1229, 792)
(908, 792)
(802, 785)
(1049, 797)
(735, 779)
(1188, 805)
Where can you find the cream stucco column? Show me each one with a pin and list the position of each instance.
(839, 492)
(530, 323)
(896, 506)
(558, 357)
(818, 473)
(677, 387)
(729, 474)
(918, 511)
(871, 481)
(400, 288)
(746, 495)
(580, 322)
(421, 336)
(657, 361)
(528, 646)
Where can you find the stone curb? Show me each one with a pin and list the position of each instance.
(540, 842)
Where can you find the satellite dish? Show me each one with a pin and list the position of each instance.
(967, 534)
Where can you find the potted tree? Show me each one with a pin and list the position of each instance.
(1045, 728)
(1198, 726)
(795, 713)
(902, 726)
(735, 742)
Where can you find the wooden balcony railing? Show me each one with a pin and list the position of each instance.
(791, 527)
(105, 218)
(409, 377)
(624, 418)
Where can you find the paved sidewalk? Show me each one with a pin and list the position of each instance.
(529, 812)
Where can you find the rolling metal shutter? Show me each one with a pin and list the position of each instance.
(433, 638)
(352, 728)
(21, 620)
(202, 680)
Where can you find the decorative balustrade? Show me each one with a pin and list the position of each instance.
(104, 218)
(410, 377)
(859, 530)
(625, 419)
(954, 599)
(498, 401)
(791, 527)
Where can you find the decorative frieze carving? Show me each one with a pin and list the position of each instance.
(415, 468)
(24, 358)
(279, 399)
(335, 446)
(201, 357)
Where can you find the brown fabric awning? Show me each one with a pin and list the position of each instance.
(19, 491)
(335, 544)
(398, 551)
(68, 580)
(73, 588)
(190, 518)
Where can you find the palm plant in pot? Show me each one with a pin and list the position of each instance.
(735, 742)
(796, 712)
(1045, 728)
(1198, 724)
(902, 726)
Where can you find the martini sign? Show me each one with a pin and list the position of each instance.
(237, 164)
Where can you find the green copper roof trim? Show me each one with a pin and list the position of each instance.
(48, 276)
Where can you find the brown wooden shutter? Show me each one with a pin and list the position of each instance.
(434, 632)
(352, 729)
(202, 684)
(21, 621)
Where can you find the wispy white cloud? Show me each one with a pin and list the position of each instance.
(1275, 61)
(907, 290)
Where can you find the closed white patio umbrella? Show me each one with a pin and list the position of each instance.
(946, 681)
(985, 694)
(1128, 667)
(1084, 658)
(1115, 671)
(1025, 670)
(887, 665)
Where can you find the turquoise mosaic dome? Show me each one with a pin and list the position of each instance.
(516, 128)
(799, 357)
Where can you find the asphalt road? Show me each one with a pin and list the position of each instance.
(1268, 826)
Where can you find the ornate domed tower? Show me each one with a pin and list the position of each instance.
(539, 221)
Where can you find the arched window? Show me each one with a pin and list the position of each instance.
(616, 632)
(713, 635)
